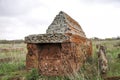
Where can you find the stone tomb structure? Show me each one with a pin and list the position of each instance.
(61, 51)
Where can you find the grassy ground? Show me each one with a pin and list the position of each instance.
(12, 63)
(113, 49)
(12, 60)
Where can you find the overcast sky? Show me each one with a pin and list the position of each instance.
(19, 18)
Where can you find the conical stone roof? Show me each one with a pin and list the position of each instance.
(63, 23)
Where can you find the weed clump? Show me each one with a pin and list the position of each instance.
(32, 75)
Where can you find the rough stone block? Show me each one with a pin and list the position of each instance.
(61, 51)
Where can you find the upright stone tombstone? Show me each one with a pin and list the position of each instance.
(61, 51)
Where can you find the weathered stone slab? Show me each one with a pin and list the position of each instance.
(47, 38)
(54, 38)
